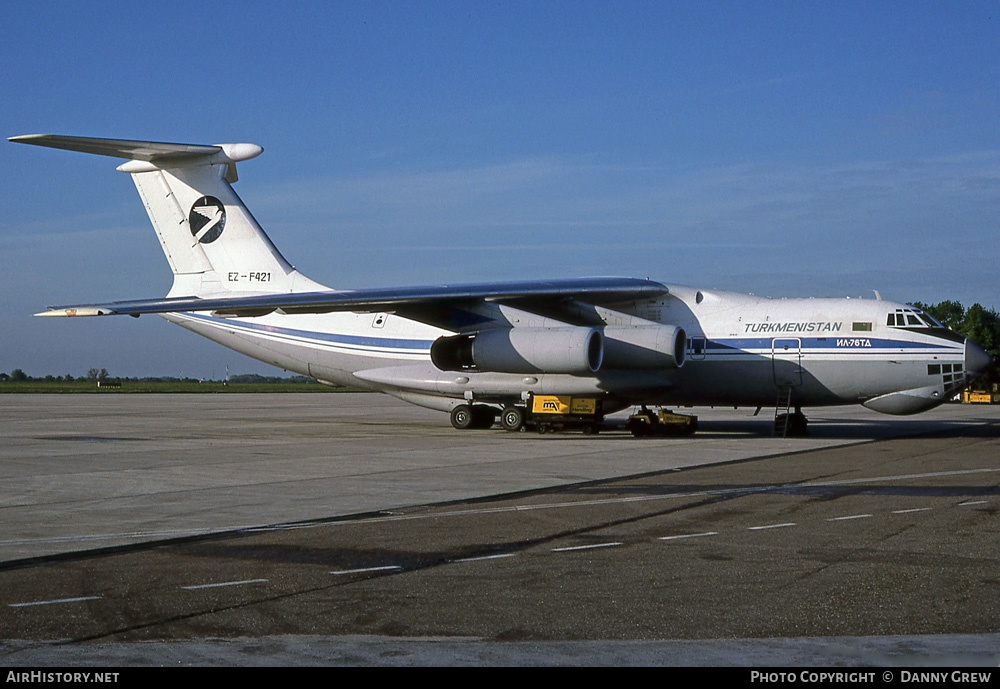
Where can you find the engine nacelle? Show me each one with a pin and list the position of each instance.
(644, 346)
(571, 349)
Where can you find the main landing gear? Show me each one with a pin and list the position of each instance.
(477, 416)
(512, 418)
(481, 416)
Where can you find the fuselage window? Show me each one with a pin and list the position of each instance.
(862, 327)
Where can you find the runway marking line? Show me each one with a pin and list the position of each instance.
(195, 587)
(365, 570)
(771, 526)
(499, 555)
(586, 547)
(484, 557)
(688, 535)
(55, 601)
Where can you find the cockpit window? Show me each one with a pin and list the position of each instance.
(933, 321)
(910, 318)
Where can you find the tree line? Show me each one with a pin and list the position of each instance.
(95, 375)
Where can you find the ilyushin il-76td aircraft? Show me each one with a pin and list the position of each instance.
(482, 351)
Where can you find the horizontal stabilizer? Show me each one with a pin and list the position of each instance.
(153, 154)
(119, 148)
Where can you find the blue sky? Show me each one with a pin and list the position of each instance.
(779, 148)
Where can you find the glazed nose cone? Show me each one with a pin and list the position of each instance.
(977, 360)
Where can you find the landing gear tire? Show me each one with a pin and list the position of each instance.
(462, 417)
(512, 418)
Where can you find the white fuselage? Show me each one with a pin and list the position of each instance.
(741, 350)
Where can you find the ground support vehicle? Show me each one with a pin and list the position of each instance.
(981, 396)
(547, 413)
(662, 422)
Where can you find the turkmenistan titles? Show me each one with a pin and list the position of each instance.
(795, 327)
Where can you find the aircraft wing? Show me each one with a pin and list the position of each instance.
(428, 304)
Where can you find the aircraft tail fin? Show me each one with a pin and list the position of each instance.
(211, 240)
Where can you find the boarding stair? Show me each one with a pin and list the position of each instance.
(782, 411)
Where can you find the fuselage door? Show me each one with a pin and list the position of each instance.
(786, 359)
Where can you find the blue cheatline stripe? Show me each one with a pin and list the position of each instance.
(755, 346)
(828, 343)
(413, 346)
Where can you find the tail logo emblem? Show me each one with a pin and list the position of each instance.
(207, 219)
